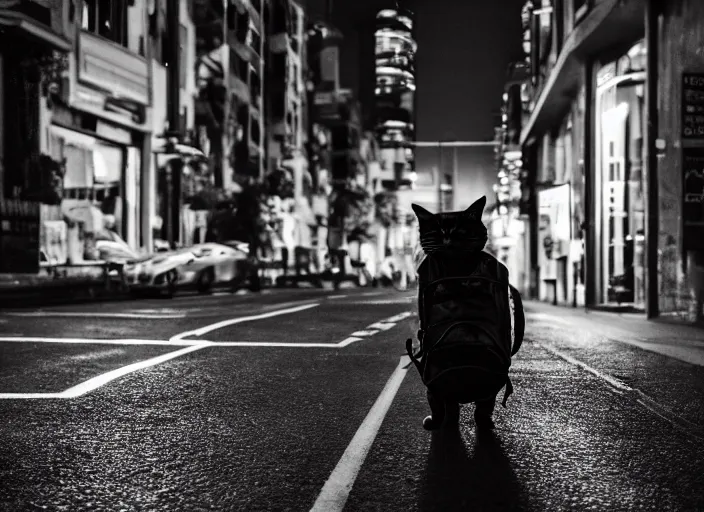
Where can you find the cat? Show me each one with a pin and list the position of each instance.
(452, 231)
(457, 240)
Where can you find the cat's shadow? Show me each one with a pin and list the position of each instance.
(469, 472)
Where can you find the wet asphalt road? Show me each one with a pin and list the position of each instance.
(249, 403)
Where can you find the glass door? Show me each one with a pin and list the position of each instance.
(617, 282)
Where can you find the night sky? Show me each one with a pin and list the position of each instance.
(464, 48)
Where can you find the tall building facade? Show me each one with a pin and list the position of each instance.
(230, 71)
(394, 97)
(613, 183)
(286, 94)
(508, 226)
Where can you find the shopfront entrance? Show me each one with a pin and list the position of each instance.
(620, 201)
(100, 188)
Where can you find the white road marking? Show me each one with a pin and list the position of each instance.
(348, 341)
(379, 302)
(98, 354)
(101, 380)
(383, 326)
(400, 316)
(178, 340)
(372, 294)
(333, 297)
(272, 344)
(337, 488)
(83, 314)
(26, 396)
(99, 341)
(365, 333)
(371, 330)
(225, 323)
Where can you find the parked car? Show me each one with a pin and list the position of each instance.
(201, 267)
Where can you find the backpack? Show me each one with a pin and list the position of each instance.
(470, 317)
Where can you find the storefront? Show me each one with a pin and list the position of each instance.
(554, 244)
(101, 185)
(618, 180)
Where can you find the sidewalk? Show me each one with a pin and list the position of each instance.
(680, 341)
(635, 324)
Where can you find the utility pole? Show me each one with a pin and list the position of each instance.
(455, 173)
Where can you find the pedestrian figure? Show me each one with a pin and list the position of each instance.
(471, 318)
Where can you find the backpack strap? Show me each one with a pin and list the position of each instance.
(414, 359)
(508, 392)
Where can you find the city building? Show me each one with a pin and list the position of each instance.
(286, 92)
(508, 226)
(230, 70)
(394, 124)
(178, 169)
(611, 148)
(36, 41)
(394, 96)
(99, 127)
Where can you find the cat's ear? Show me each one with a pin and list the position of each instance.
(477, 208)
(421, 212)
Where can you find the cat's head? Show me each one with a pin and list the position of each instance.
(452, 231)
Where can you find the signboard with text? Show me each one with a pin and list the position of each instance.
(693, 198)
(693, 105)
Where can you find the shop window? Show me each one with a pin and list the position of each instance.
(116, 20)
(107, 18)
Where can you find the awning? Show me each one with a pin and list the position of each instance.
(33, 29)
(609, 23)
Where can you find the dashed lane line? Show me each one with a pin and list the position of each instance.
(691, 429)
(336, 491)
(372, 329)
